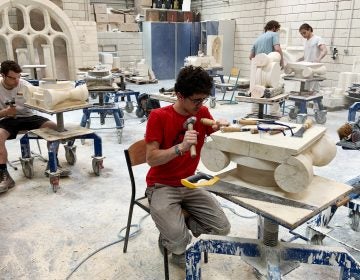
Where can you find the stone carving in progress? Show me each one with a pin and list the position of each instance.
(56, 95)
(265, 73)
(305, 70)
(271, 161)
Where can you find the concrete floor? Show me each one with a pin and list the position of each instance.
(46, 235)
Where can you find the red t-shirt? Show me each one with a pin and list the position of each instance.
(166, 127)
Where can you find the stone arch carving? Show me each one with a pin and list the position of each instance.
(51, 13)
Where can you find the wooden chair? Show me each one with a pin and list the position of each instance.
(136, 155)
(229, 86)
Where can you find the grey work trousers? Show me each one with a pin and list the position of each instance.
(166, 208)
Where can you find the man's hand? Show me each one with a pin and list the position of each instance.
(190, 138)
(10, 111)
(220, 123)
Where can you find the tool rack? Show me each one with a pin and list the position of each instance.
(54, 137)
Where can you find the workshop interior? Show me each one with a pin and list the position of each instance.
(285, 168)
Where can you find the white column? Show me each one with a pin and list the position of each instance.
(23, 58)
(48, 61)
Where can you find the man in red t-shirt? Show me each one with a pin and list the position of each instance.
(168, 154)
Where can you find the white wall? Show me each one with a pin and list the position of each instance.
(251, 16)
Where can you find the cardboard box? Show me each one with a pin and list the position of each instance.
(172, 16)
(128, 27)
(101, 27)
(100, 8)
(102, 18)
(162, 15)
(117, 18)
(180, 16)
(146, 3)
(188, 16)
(152, 15)
(129, 18)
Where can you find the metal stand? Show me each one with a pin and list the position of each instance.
(268, 256)
(302, 97)
(54, 137)
(104, 109)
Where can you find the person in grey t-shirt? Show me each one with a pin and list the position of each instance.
(268, 41)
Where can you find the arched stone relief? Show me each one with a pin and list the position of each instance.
(37, 21)
(16, 18)
(31, 18)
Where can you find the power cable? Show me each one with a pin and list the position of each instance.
(121, 238)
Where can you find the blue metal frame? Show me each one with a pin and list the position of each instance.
(26, 152)
(256, 251)
(352, 111)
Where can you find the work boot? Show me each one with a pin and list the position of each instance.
(179, 260)
(6, 182)
(64, 172)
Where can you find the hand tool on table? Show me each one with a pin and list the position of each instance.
(200, 179)
(307, 124)
(210, 122)
(252, 130)
(189, 125)
(225, 188)
(270, 130)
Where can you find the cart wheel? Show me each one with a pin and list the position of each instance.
(54, 182)
(129, 107)
(97, 166)
(317, 239)
(119, 132)
(70, 155)
(139, 112)
(87, 125)
(293, 112)
(28, 169)
(355, 220)
(320, 116)
(212, 102)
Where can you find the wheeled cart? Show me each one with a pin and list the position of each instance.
(55, 137)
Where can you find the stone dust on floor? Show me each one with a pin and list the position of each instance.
(45, 235)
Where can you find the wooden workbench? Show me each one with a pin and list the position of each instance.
(263, 101)
(321, 193)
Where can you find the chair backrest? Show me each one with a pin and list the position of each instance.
(234, 72)
(135, 155)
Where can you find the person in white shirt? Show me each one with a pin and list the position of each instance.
(314, 48)
(15, 117)
(314, 51)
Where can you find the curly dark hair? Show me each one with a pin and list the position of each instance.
(271, 25)
(306, 27)
(191, 80)
(10, 65)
